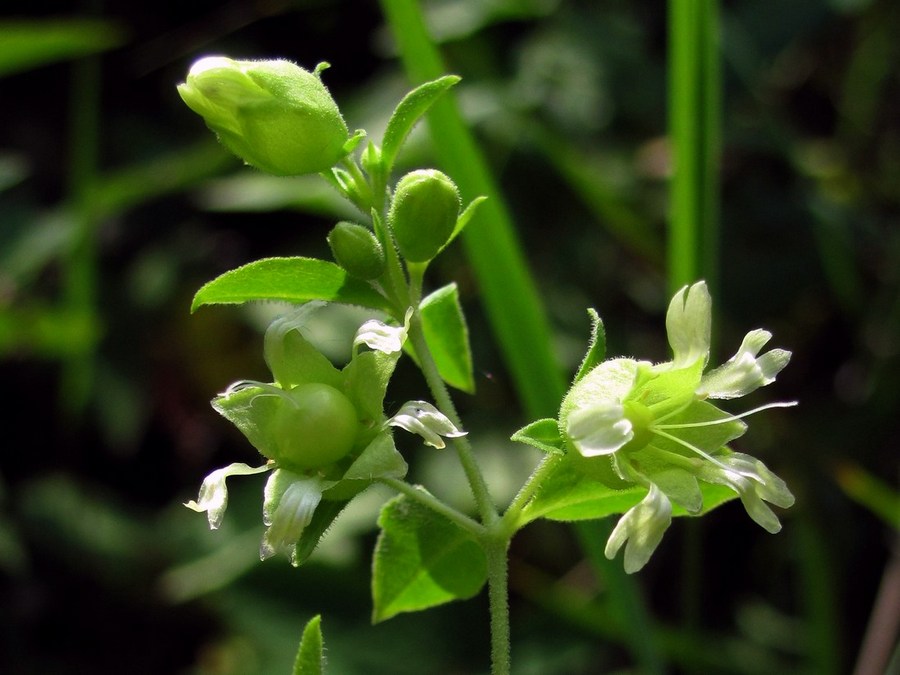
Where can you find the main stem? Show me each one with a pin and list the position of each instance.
(496, 537)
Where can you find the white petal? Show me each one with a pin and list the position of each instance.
(688, 324)
(382, 337)
(640, 530)
(287, 511)
(744, 372)
(213, 497)
(600, 429)
(422, 418)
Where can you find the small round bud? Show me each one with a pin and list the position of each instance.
(423, 213)
(317, 427)
(274, 115)
(356, 249)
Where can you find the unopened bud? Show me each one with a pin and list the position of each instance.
(356, 249)
(423, 213)
(274, 115)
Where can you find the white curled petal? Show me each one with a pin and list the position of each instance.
(745, 372)
(753, 482)
(600, 429)
(689, 324)
(213, 497)
(422, 418)
(640, 530)
(287, 514)
(381, 337)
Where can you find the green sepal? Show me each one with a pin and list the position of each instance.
(464, 218)
(569, 495)
(410, 109)
(366, 379)
(422, 560)
(289, 280)
(325, 514)
(597, 350)
(291, 358)
(310, 658)
(380, 459)
(353, 142)
(542, 434)
(447, 335)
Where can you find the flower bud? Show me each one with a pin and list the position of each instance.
(356, 249)
(423, 213)
(274, 115)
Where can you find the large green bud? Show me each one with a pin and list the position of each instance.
(423, 213)
(274, 115)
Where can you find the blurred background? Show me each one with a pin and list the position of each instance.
(116, 205)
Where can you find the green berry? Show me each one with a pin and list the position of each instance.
(315, 428)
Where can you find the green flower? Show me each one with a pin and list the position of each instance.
(274, 115)
(628, 422)
(322, 430)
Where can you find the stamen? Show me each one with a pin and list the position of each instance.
(730, 418)
(700, 452)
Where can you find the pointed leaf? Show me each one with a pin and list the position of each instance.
(541, 434)
(310, 655)
(422, 560)
(415, 104)
(464, 218)
(597, 350)
(288, 280)
(447, 335)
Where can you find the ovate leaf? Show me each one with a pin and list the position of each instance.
(422, 560)
(310, 655)
(288, 280)
(448, 337)
(415, 104)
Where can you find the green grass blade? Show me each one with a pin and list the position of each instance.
(694, 131)
(510, 293)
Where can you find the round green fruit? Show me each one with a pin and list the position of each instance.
(317, 427)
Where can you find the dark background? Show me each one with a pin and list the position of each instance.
(116, 205)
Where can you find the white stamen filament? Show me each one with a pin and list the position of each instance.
(730, 418)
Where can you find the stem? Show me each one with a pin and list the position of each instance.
(510, 520)
(427, 499)
(498, 596)
(482, 496)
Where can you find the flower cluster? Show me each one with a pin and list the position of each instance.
(629, 422)
(322, 430)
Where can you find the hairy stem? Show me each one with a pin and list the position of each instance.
(430, 501)
(485, 504)
(497, 550)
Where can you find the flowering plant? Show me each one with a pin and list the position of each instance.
(631, 437)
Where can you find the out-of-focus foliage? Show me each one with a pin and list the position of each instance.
(116, 206)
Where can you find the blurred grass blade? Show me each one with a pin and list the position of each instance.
(510, 294)
(694, 134)
(28, 44)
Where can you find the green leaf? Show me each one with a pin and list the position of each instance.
(415, 104)
(29, 44)
(289, 280)
(310, 655)
(422, 560)
(541, 434)
(568, 495)
(597, 350)
(448, 337)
